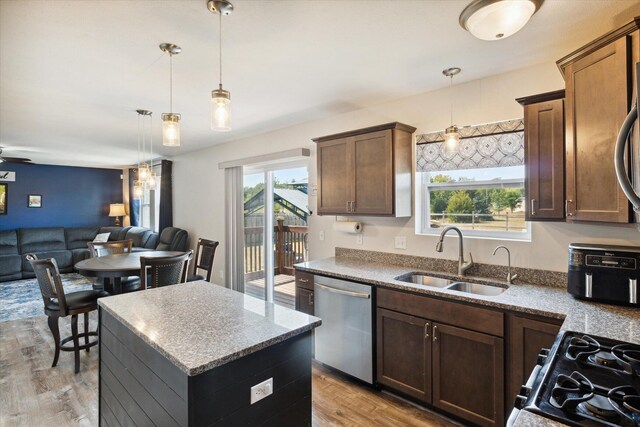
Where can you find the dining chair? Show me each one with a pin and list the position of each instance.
(57, 304)
(98, 249)
(164, 271)
(203, 260)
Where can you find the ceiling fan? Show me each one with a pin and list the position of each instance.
(20, 160)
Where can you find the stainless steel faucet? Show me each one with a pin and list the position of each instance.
(463, 266)
(510, 278)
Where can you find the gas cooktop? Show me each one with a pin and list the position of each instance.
(586, 381)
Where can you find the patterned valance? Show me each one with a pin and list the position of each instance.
(491, 145)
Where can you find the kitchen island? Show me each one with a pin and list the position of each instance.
(190, 354)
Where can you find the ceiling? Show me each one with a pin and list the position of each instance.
(72, 73)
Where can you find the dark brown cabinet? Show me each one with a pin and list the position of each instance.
(468, 374)
(454, 360)
(366, 172)
(526, 337)
(598, 80)
(404, 353)
(544, 156)
(304, 292)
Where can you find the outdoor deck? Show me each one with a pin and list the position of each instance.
(284, 293)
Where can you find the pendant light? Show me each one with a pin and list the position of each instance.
(220, 98)
(170, 120)
(497, 19)
(146, 176)
(451, 134)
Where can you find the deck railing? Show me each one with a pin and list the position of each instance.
(289, 246)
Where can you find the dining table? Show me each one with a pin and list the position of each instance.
(115, 267)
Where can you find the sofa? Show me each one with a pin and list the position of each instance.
(69, 245)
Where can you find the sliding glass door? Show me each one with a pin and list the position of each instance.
(275, 234)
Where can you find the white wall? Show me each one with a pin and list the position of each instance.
(199, 184)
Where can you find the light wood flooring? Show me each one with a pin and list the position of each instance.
(34, 394)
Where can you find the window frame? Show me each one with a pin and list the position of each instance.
(423, 211)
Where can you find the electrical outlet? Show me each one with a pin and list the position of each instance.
(262, 390)
(401, 242)
(359, 239)
(321, 235)
(221, 274)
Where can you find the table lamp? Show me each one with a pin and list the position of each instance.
(117, 210)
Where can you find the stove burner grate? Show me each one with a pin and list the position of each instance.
(625, 400)
(580, 348)
(570, 390)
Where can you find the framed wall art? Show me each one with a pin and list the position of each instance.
(34, 201)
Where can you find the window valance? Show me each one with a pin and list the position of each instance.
(490, 145)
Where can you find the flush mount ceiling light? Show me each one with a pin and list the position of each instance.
(220, 98)
(497, 19)
(451, 134)
(170, 120)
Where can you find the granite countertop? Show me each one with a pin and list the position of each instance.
(199, 326)
(616, 322)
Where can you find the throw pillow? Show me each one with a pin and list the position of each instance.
(102, 237)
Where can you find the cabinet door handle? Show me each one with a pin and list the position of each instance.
(533, 207)
(426, 330)
(566, 207)
(311, 298)
(435, 333)
(353, 207)
(348, 206)
(303, 280)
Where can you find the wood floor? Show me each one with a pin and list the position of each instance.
(34, 394)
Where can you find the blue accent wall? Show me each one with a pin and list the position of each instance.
(71, 196)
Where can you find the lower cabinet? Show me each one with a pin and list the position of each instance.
(468, 374)
(404, 353)
(304, 292)
(527, 336)
(441, 361)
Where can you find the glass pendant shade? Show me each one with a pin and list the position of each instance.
(220, 110)
(171, 130)
(495, 20)
(451, 139)
(143, 172)
(138, 190)
(151, 182)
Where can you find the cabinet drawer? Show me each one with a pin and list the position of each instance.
(462, 315)
(304, 280)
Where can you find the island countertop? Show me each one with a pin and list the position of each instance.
(199, 326)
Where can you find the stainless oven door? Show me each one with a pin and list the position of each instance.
(344, 340)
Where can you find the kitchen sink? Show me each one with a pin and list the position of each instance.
(476, 288)
(422, 279)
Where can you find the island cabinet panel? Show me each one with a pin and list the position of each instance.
(404, 353)
(527, 336)
(139, 386)
(366, 171)
(597, 102)
(544, 156)
(468, 374)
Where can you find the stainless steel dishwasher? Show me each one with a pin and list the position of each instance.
(344, 340)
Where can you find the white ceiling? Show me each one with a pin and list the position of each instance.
(72, 73)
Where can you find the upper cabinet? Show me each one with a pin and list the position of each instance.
(599, 84)
(544, 156)
(366, 172)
